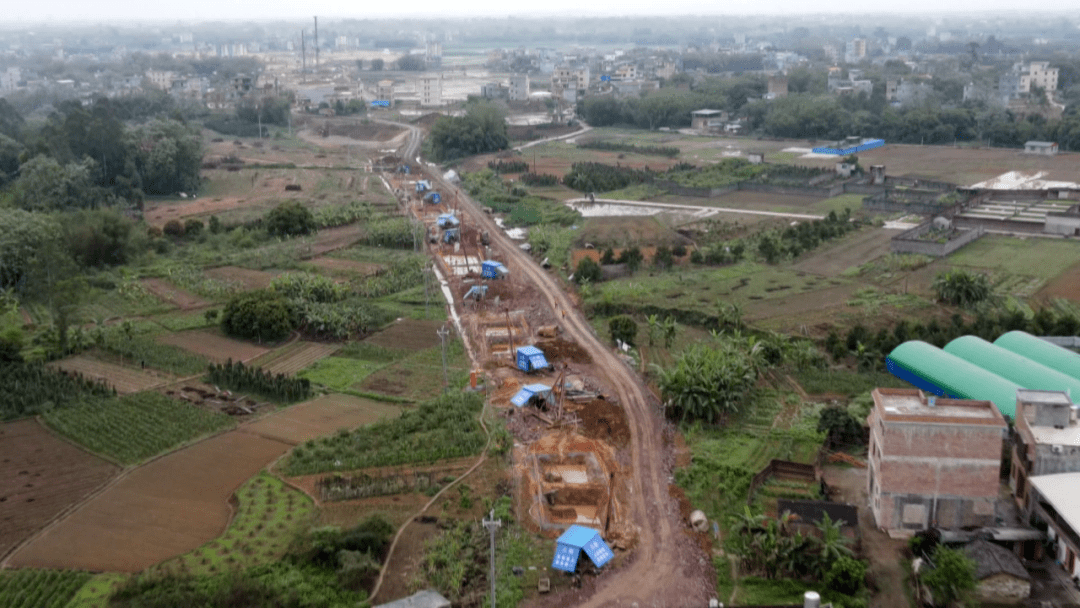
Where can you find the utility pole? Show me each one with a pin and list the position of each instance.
(492, 525)
(303, 56)
(443, 333)
(316, 45)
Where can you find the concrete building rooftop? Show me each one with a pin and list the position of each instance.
(1062, 491)
(1026, 395)
(899, 404)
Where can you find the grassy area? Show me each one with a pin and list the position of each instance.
(95, 593)
(839, 203)
(754, 591)
(268, 515)
(339, 373)
(443, 428)
(185, 321)
(135, 427)
(1008, 258)
(39, 588)
(845, 382)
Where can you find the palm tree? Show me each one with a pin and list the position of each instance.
(832, 544)
(653, 328)
(670, 329)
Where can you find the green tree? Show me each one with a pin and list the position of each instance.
(102, 237)
(169, 156)
(46, 185)
(830, 543)
(481, 130)
(708, 382)
(663, 258)
(840, 427)
(258, 315)
(670, 329)
(846, 576)
(623, 328)
(24, 236)
(411, 63)
(377, 65)
(952, 578)
(587, 271)
(962, 288)
(632, 257)
(290, 219)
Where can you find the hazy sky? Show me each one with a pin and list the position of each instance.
(202, 10)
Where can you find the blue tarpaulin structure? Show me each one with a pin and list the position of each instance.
(447, 220)
(432, 198)
(530, 358)
(577, 538)
(867, 144)
(422, 185)
(477, 292)
(527, 392)
(493, 270)
(450, 235)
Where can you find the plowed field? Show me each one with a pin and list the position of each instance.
(347, 266)
(167, 507)
(124, 379)
(172, 294)
(40, 476)
(408, 334)
(296, 357)
(321, 416)
(212, 346)
(250, 279)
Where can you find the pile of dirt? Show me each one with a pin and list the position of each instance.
(561, 350)
(603, 420)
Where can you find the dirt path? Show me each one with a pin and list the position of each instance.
(664, 569)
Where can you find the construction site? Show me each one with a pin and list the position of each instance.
(568, 428)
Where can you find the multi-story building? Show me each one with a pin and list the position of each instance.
(160, 79)
(566, 78)
(9, 79)
(1019, 80)
(932, 461)
(519, 87)
(855, 51)
(1046, 441)
(384, 91)
(430, 89)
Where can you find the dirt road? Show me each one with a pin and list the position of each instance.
(666, 569)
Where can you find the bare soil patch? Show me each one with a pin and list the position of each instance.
(160, 213)
(123, 379)
(348, 267)
(966, 166)
(184, 300)
(603, 420)
(411, 334)
(853, 250)
(1065, 285)
(558, 349)
(319, 417)
(761, 201)
(797, 303)
(40, 476)
(165, 508)
(212, 346)
(250, 279)
(333, 239)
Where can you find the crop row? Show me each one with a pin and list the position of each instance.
(132, 428)
(29, 388)
(39, 588)
(443, 428)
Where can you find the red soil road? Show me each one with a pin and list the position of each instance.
(41, 476)
(665, 569)
(212, 346)
(165, 508)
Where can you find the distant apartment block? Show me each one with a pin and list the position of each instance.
(430, 89)
(10, 79)
(433, 54)
(855, 51)
(565, 79)
(1019, 80)
(160, 79)
(932, 461)
(519, 87)
(627, 71)
(384, 91)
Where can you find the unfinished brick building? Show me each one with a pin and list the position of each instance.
(932, 461)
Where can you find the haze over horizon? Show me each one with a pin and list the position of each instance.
(71, 11)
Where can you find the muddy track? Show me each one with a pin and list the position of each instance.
(659, 573)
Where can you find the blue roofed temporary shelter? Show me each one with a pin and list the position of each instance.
(422, 185)
(447, 220)
(530, 359)
(843, 150)
(1012, 366)
(936, 371)
(490, 269)
(577, 538)
(1039, 350)
(527, 392)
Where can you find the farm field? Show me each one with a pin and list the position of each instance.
(131, 428)
(965, 166)
(41, 476)
(346, 267)
(318, 417)
(165, 508)
(409, 334)
(295, 357)
(124, 379)
(250, 279)
(214, 346)
(268, 515)
(39, 588)
(174, 295)
(853, 250)
(1065, 285)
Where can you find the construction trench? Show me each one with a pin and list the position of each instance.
(566, 464)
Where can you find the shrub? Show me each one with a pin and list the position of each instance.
(587, 270)
(173, 228)
(258, 315)
(193, 227)
(623, 328)
(290, 219)
(962, 288)
(846, 576)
